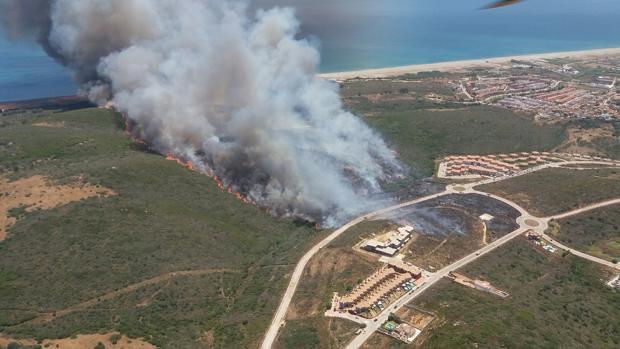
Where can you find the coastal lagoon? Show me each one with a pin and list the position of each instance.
(362, 34)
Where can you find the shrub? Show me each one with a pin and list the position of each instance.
(115, 338)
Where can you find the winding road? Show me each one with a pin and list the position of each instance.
(526, 222)
(573, 251)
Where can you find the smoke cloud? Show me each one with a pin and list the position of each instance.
(233, 93)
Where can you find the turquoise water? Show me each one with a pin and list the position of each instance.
(404, 32)
(357, 34)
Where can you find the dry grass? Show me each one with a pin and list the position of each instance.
(49, 124)
(86, 341)
(35, 192)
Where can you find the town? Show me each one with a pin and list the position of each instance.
(548, 92)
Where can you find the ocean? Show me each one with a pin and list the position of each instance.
(361, 34)
(26, 72)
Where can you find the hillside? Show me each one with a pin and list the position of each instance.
(166, 256)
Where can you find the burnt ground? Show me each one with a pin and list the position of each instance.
(411, 188)
(448, 228)
(448, 214)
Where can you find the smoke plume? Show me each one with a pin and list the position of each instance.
(234, 93)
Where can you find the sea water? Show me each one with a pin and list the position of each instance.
(360, 34)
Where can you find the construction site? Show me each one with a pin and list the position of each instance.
(476, 284)
(538, 240)
(380, 289)
(390, 243)
(399, 330)
(615, 282)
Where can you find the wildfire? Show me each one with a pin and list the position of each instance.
(129, 131)
(189, 165)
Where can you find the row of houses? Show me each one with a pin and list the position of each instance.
(396, 276)
(475, 166)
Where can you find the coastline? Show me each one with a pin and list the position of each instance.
(459, 65)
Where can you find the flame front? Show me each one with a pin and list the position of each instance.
(188, 164)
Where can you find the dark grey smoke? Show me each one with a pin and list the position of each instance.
(26, 19)
(235, 94)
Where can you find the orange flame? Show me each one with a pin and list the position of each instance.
(129, 131)
(188, 164)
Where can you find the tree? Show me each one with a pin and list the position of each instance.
(99, 346)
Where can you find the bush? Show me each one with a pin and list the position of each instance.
(14, 345)
(395, 318)
(115, 338)
(99, 346)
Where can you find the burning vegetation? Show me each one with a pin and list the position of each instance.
(223, 91)
(189, 164)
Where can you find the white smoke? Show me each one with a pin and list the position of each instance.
(236, 95)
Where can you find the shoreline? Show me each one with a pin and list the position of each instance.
(459, 65)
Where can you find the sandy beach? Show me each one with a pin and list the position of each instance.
(458, 65)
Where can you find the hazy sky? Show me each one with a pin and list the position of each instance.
(406, 7)
(327, 18)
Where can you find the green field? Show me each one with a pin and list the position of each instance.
(389, 87)
(554, 190)
(555, 302)
(165, 218)
(596, 232)
(422, 136)
(609, 146)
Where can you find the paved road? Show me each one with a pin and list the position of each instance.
(585, 209)
(573, 251)
(278, 320)
(537, 224)
(434, 278)
(581, 254)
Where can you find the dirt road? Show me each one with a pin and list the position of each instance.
(133, 287)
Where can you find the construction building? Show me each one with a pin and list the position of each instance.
(401, 331)
(377, 291)
(393, 242)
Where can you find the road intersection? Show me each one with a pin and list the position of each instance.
(526, 222)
